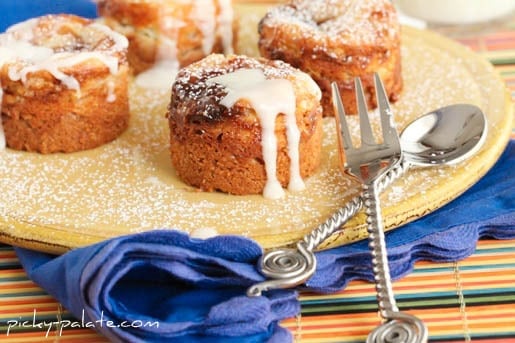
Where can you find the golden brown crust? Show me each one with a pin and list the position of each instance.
(219, 149)
(43, 114)
(337, 41)
(167, 29)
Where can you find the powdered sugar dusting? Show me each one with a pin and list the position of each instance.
(129, 185)
(356, 21)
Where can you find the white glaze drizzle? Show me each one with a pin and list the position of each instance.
(54, 62)
(2, 133)
(23, 31)
(269, 98)
(204, 15)
(162, 74)
(203, 233)
(224, 20)
(167, 45)
(111, 94)
(16, 48)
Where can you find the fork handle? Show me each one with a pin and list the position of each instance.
(377, 245)
(392, 175)
(342, 215)
(278, 274)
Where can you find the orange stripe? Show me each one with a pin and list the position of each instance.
(18, 285)
(7, 254)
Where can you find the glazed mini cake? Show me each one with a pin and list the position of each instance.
(170, 30)
(244, 126)
(64, 83)
(336, 41)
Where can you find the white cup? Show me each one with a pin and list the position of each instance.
(453, 12)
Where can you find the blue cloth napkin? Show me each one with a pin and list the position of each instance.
(12, 12)
(163, 286)
(195, 288)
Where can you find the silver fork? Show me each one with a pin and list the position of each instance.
(370, 162)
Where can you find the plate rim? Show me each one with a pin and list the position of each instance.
(53, 242)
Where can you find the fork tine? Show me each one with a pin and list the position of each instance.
(390, 135)
(367, 137)
(344, 137)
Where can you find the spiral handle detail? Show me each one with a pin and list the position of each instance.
(285, 268)
(401, 328)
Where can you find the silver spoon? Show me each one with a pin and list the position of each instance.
(446, 136)
(442, 137)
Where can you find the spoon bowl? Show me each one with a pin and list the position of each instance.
(444, 136)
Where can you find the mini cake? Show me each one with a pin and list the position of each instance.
(336, 41)
(170, 30)
(64, 81)
(244, 126)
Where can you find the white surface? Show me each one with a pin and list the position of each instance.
(456, 11)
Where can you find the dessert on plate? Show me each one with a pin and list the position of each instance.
(165, 35)
(64, 81)
(242, 125)
(336, 41)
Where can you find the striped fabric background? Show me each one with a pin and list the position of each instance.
(470, 300)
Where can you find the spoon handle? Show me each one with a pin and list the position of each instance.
(287, 268)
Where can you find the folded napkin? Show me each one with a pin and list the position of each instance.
(195, 288)
(12, 12)
(164, 286)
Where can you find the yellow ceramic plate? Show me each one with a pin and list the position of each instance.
(63, 201)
